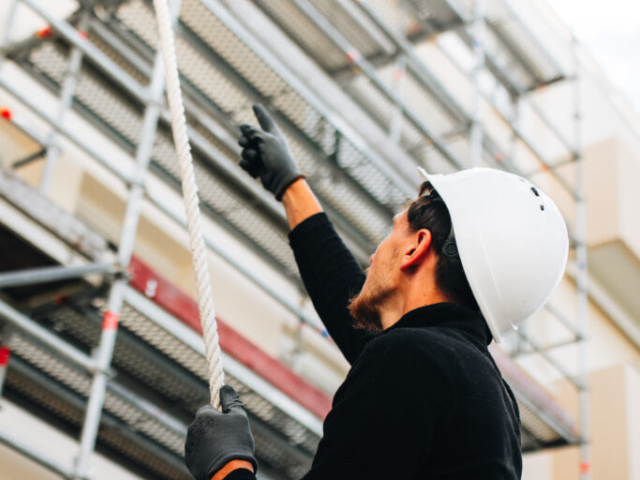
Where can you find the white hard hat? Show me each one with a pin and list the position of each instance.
(511, 239)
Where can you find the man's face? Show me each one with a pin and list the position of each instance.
(383, 276)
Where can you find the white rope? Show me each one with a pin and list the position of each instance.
(190, 193)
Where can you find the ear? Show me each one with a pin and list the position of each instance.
(416, 252)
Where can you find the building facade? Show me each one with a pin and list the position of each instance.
(93, 225)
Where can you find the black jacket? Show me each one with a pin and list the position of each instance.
(423, 399)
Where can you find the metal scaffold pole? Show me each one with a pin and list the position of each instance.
(66, 100)
(399, 81)
(475, 134)
(398, 85)
(104, 353)
(8, 27)
(582, 275)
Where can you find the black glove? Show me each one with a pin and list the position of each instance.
(266, 154)
(215, 438)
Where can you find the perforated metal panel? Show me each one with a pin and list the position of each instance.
(216, 65)
(123, 118)
(166, 373)
(312, 39)
(431, 110)
(25, 383)
(422, 103)
(417, 19)
(322, 137)
(537, 428)
(516, 48)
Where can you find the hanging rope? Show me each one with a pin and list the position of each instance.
(190, 193)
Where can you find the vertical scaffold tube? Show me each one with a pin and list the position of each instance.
(104, 352)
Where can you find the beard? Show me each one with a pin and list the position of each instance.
(365, 307)
(365, 313)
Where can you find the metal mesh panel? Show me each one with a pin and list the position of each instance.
(85, 326)
(541, 431)
(434, 161)
(137, 13)
(423, 104)
(441, 15)
(70, 410)
(377, 105)
(535, 64)
(227, 95)
(340, 19)
(397, 15)
(276, 461)
(509, 64)
(216, 195)
(193, 361)
(427, 108)
(133, 358)
(235, 102)
(125, 119)
(266, 81)
(78, 381)
(306, 34)
(93, 91)
(141, 77)
(312, 39)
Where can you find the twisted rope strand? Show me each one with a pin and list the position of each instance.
(190, 194)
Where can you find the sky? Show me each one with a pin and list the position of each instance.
(611, 31)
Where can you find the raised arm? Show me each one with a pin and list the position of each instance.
(328, 269)
(300, 203)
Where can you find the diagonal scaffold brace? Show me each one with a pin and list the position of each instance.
(191, 201)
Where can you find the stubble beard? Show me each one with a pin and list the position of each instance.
(365, 307)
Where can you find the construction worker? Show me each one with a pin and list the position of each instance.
(424, 399)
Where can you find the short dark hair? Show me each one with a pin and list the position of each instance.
(430, 212)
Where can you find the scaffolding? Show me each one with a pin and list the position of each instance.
(125, 387)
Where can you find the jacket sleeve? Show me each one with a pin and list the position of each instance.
(387, 425)
(331, 276)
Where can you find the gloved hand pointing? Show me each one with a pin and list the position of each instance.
(215, 438)
(266, 154)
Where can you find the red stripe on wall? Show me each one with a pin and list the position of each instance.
(5, 353)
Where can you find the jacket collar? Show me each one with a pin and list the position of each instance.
(448, 315)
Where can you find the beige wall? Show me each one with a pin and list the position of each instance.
(614, 431)
(51, 442)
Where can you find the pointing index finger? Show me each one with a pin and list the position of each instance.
(264, 118)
